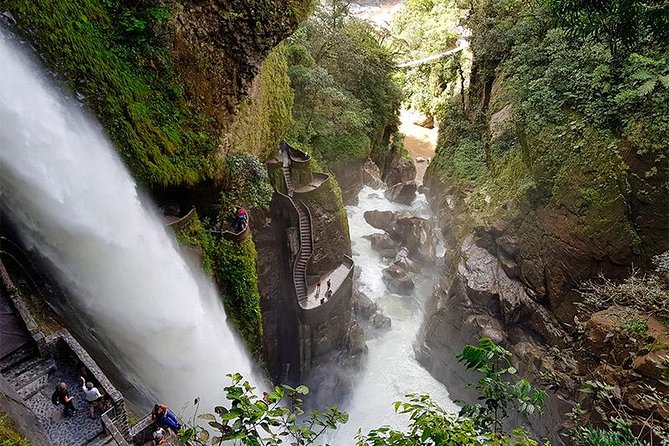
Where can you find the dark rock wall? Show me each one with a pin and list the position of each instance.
(219, 47)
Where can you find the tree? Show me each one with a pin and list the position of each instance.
(622, 24)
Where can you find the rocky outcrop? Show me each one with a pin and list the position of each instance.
(218, 48)
(399, 170)
(383, 244)
(403, 192)
(415, 233)
(514, 283)
(398, 280)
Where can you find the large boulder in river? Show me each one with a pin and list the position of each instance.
(384, 220)
(381, 322)
(418, 236)
(402, 260)
(400, 170)
(363, 306)
(371, 175)
(397, 280)
(383, 244)
(416, 233)
(403, 192)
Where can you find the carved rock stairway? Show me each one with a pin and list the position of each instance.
(287, 176)
(306, 248)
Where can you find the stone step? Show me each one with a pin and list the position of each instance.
(16, 357)
(23, 367)
(101, 440)
(29, 378)
(32, 388)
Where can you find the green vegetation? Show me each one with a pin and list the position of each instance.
(264, 118)
(419, 29)
(345, 98)
(233, 267)
(9, 435)
(279, 416)
(648, 294)
(526, 138)
(114, 55)
(246, 183)
(271, 420)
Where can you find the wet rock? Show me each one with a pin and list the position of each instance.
(418, 235)
(384, 220)
(397, 280)
(383, 244)
(381, 321)
(399, 171)
(371, 175)
(363, 307)
(402, 260)
(403, 192)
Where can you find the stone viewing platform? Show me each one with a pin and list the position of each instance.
(31, 370)
(337, 277)
(307, 295)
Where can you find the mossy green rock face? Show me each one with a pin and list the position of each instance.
(233, 267)
(165, 79)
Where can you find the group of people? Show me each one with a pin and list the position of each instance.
(328, 293)
(164, 419)
(92, 395)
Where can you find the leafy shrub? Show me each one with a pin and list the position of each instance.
(648, 293)
(619, 434)
(246, 183)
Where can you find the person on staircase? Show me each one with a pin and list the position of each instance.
(93, 396)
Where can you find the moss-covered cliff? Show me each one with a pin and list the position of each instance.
(166, 78)
(551, 169)
(179, 86)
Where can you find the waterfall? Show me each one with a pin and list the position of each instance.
(156, 318)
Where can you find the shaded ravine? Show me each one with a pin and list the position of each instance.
(155, 318)
(391, 370)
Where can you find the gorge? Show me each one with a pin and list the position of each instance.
(415, 181)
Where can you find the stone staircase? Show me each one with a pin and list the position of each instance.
(31, 375)
(27, 371)
(306, 249)
(306, 243)
(287, 176)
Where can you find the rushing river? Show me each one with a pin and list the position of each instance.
(391, 370)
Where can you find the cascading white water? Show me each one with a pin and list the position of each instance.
(158, 319)
(391, 370)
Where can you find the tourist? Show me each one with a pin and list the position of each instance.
(159, 437)
(328, 294)
(62, 396)
(93, 396)
(241, 218)
(165, 417)
(318, 287)
(329, 285)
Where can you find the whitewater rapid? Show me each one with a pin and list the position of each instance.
(391, 370)
(157, 319)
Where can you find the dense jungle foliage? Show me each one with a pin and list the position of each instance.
(568, 107)
(418, 30)
(345, 98)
